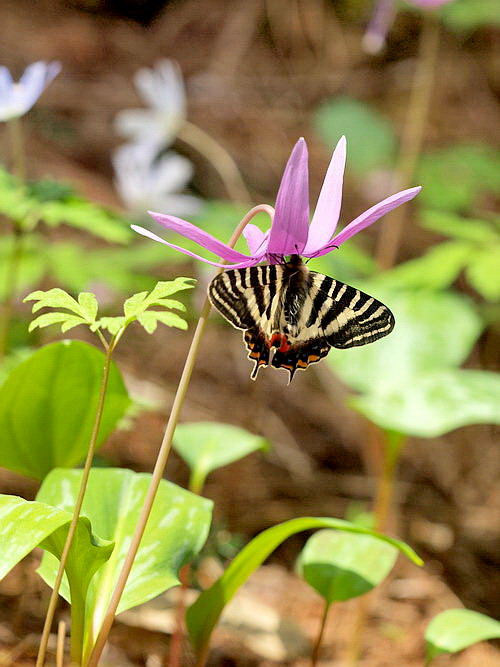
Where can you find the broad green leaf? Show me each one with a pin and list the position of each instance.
(371, 142)
(175, 533)
(206, 446)
(48, 405)
(466, 15)
(25, 525)
(433, 331)
(341, 566)
(203, 615)
(436, 403)
(466, 229)
(483, 274)
(455, 629)
(453, 178)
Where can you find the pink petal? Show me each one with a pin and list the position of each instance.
(291, 219)
(255, 238)
(369, 217)
(198, 236)
(250, 261)
(327, 211)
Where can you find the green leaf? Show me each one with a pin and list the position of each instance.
(433, 331)
(134, 304)
(47, 319)
(465, 229)
(150, 319)
(203, 615)
(466, 15)
(206, 446)
(453, 178)
(48, 405)
(434, 404)
(175, 532)
(111, 324)
(341, 566)
(87, 216)
(455, 629)
(54, 298)
(371, 142)
(483, 274)
(89, 305)
(31, 266)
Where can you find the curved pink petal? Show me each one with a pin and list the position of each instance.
(200, 237)
(369, 217)
(250, 261)
(255, 239)
(291, 219)
(327, 211)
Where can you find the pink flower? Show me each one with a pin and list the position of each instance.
(290, 232)
(382, 19)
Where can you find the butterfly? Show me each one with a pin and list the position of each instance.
(292, 316)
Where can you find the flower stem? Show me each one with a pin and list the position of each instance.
(219, 158)
(61, 633)
(76, 514)
(319, 638)
(17, 153)
(161, 461)
(412, 137)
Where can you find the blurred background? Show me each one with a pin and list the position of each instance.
(252, 78)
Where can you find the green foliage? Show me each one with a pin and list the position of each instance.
(466, 15)
(56, 204)
(203, 615)
(206, 446)
(31, 267)
(48, 405)
(341, 566)
(455, 629)
(453, 178)
(136, 308)
(371, 142)
(176, 531)
(409, 381)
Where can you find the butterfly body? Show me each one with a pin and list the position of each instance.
(292, 316)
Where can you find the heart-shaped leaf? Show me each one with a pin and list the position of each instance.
(176, 531)
(205, 446)
(48, 405)
(455, 629)
(341, 566)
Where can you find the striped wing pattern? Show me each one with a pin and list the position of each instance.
(291, 316)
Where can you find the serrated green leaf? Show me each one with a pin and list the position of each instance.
(148, 320)
(170, 319)
(48, 405)
(371, 141)
(175, 532)
(134, 304)
(206, 446)
(341, 566)
(203, 615)
(111, 324)
(166, 288)
(47, 319)
(54, 298)
(170, 303)
(455, 629)
(435, 403)
(71, 322)
(89, 305)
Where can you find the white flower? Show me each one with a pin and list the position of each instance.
(145, 181)
(162, 89)
(18, 98)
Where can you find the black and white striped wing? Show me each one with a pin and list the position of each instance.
(344, 315)
(249, 297)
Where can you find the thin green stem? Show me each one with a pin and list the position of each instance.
(412, 137)
(161, 461)
(16, 140)
(319, 638)
(74, 521)
(219, 158)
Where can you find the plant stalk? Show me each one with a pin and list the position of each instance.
(161, 461)
(219, 158)
(412, 137)
(11, 280)
(319, 638)
(61, 633)
(76, 514)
